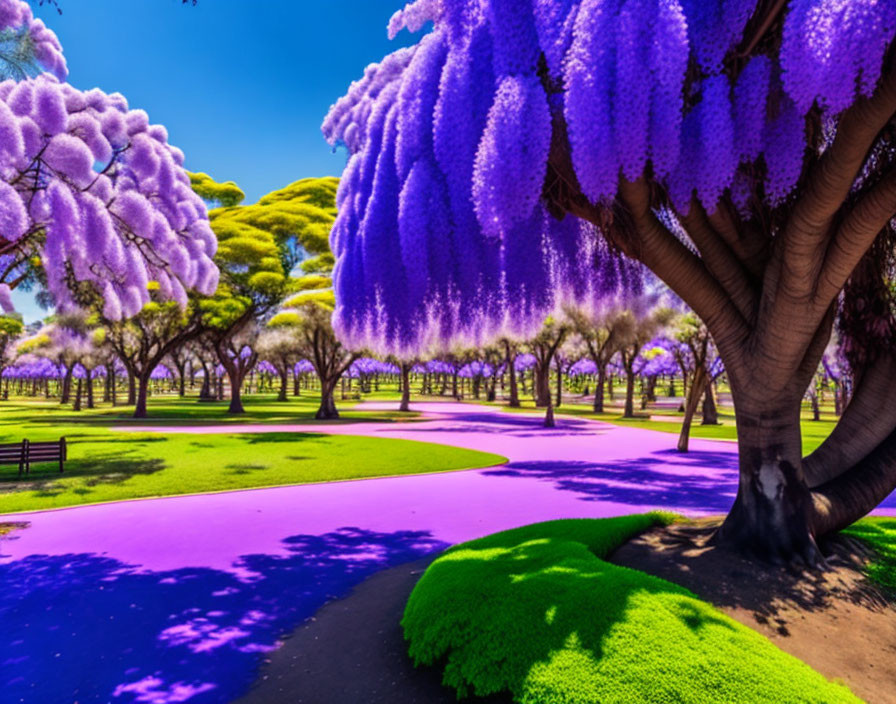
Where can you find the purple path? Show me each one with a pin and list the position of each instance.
(175, 600)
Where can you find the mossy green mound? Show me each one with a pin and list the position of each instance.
(537, 612)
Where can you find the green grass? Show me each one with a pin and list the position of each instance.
(879, 533)
(538, 613)
(106, 465)
(172, 410)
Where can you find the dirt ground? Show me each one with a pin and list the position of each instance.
(833, 620)
(353, 650)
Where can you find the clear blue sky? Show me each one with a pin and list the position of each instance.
(241, 85)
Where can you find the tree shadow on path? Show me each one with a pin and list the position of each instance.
(702, 481)
(88, 628)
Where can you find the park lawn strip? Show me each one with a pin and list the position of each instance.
(538, 613)
(878, 533)
(105, 466)
(35, 414)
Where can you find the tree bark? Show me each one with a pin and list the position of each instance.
(542, 384)
(327, 409)
(77, 404)
(629, 393)
(284, 385)
(697, 387)
(142, 394)
(90, 390)
(405, 388)
(771, 514)
(599, 387)
(710, 411)
(514, 401)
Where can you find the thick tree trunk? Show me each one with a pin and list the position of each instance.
(132, 388)
(771, 514)
(405, 388)
(142, 394)
(327, 410)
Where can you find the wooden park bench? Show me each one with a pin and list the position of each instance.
(25, 453)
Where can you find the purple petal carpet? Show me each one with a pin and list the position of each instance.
(176, 599)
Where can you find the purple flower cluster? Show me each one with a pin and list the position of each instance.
(18, 25)
(441, 237)
(107, 190)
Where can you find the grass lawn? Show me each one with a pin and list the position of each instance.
(879, 533)
(172, 410)
(537, 612)
(105, 465)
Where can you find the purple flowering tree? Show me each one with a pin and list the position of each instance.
(741, 150)
(94, 202)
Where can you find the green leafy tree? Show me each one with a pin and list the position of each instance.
(260, 249)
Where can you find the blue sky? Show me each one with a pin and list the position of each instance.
(241, 85)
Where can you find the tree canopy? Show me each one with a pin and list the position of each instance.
(742, 150)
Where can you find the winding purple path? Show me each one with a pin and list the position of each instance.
(174, 600)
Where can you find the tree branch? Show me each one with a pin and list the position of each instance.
(721, 262)
(864, 425)
(856, 233)
(828, 183)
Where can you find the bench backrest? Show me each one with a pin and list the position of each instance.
(11, 453)
(33, 451)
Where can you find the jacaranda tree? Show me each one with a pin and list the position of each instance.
(94, 202)
(741, 150)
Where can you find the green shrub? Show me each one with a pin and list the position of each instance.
(536, 612)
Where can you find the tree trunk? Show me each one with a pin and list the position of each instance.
(514, 401)
(405, 388)
(236, 396)
(629, 393)
(710, 411)
(66, 387)
(694, 393)
(559, 401)
(542, 384)
(77, 404)
(142, 394)
(599, 388)
(284, 385)
(327, 410)
(132, 388)
(771, 514)
(89, 390)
